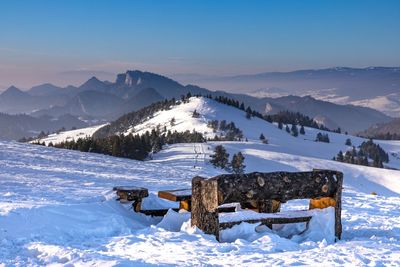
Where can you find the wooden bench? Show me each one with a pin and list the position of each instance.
(183, 196)
(264, 192)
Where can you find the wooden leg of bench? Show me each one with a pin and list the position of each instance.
(335, 201)
(121, 196)
(305, 229)
(137, 205)
(269, 206)
(205, 206)
(185, 204)
(338, 206)
(276, 206)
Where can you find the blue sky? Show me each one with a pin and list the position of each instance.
(66, 41)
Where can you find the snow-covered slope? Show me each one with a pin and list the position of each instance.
(57, 207)
(279, 140)
(69, 135)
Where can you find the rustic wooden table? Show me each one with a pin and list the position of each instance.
(183, 196)
(132, 193)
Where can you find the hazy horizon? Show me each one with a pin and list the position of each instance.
(183, 78)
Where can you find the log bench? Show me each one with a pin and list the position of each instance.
(263, 193)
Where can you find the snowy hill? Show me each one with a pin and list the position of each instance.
(69, 135)
(208, 109)
(57, 207)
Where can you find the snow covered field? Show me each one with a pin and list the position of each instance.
(57, 207)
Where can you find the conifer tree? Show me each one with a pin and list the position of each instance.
(348, 142)
(116, 149)
(195, 114)
(280, 125)
(377, 162)
(237, 163)
(220, 158)
(302, 131)
(248, 113)
(172, 121)
(340, 156)
(322, 138)
(294, 130)
(347, 157)
(287, 128)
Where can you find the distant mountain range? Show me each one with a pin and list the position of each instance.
(94, 99)
(97, 101)
(15, 127)
(375, 87)
(382, 130)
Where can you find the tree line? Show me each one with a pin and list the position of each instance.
(229, 130)
(367, 154)
(386, 136)
(131, 146)
(282, 117)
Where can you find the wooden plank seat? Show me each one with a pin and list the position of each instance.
(229, 219)
(157, 212)
(183, 196)
(263, 192)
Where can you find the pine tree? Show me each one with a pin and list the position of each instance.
(220, 158)
(248, 113)
(377, 162)
(365, 161)
(116, 149)
(302, 131)
(172, 121)
(195, 114)
(322, 138)
(41, 135)
(237, 163)
(348, 142)
(157, 145)
(339, 156)
(294, 130)
(347, 157)
(354, 152)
